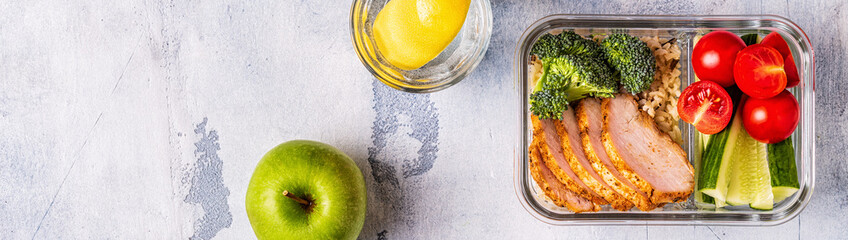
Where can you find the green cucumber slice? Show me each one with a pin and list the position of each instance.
(781, 193)
(703, 140)
(713, 178)
(751, 39)
(750, 181)
(704, 198)
(784, 174)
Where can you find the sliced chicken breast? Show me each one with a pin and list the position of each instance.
(550, 148)
(572, 149)
(643, 154)
(589, 119)
(553, 188)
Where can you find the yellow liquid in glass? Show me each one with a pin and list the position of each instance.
(410, 33)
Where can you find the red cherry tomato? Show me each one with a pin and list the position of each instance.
(792, 78)
(774, 40)
(714, 55)
(759, 71)
(706, 105)
(771, 120)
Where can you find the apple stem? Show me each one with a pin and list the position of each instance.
(295, 198)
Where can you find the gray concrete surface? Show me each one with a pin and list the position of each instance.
(145, 119)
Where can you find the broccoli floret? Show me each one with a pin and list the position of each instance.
(632, 59)
(565, 43)
(570, 78)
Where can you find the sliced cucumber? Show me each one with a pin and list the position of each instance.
(704, 198)
(781, 193)
(784, 174)
(703, 140)
(715, 161)
(750, 182)
(751, 39)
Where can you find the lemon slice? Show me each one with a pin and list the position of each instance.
(410, 33)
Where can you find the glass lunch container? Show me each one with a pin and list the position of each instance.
(685, 29)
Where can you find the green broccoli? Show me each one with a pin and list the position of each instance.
(565, 43)
(632, 59)
(570, 78)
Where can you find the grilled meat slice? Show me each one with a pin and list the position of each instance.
(589, 119)
(553, 188)
(572, 149)
(643, 154)
(550, 148)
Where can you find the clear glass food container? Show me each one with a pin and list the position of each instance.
(685, 29)
(455, 62)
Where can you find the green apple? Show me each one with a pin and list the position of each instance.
(306, 190)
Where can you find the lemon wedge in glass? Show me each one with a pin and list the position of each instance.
(410, 33)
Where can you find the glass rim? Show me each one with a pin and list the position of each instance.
(389, 76)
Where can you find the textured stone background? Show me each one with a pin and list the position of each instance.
(145, 119)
